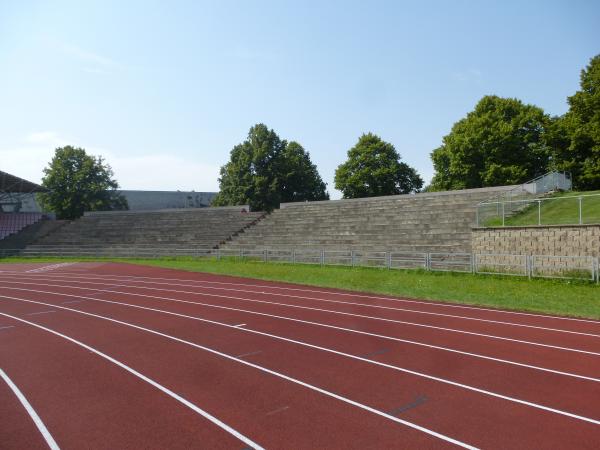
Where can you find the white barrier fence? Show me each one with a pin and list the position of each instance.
(539, 266)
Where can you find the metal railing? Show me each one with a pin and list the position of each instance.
(511, 201)
(566, 210)
(531, 266)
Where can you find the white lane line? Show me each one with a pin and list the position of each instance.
(231, 358)
(167, 391)
(40, 312)
(345, 294)
(381, 319)
(328, 350)
(50, 267)
(7, 327)
(34, 416)
(557, 330)
(239, 325)
(334, 327)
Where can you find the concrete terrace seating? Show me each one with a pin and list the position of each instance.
(159, 232)
(427, 222)
(11, 223)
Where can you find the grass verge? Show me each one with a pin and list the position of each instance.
(558, 209)
(561, 297)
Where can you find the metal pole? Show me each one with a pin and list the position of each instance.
(266, 256)
(539, 212)
(352, 257)
(580, 212)
(322, 257)
(502, 213)
(294, 256)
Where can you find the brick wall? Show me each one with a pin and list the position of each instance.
(558, 240)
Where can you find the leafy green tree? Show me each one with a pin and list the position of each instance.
(373, 168)
(575, 137)
(499, 143)
(264, 171)
(79, 182)
(299, 178)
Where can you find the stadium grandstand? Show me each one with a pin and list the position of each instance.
(426, 222)
(15, 214)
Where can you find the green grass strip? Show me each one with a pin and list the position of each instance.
(561, 297)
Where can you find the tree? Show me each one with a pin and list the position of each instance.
(499, 143)
(373, 168)
(580, 152)
(299, 178)
(264, 171)
(79, 182)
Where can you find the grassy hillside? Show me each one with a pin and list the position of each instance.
(558, 209)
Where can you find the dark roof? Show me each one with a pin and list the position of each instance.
(12, 183)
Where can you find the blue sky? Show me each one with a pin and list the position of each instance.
(164, 90)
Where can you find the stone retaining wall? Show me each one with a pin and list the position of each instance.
(553, 240)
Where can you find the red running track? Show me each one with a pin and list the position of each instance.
(122, 356)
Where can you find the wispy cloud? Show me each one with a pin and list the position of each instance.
(45, 138)
(158, 171)
(470, 75)
(88, 56)
(92, 62)
(162, 171)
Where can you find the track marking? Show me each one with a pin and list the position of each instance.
(334, 327)
(34, 416)
(231, 358)
(325, 349)
(40, 312)
(278, 410)
(7, 327)
(160, 387)
(381, 351)
(244, 355)
(417, 402)
(453, 330)
(239, 325)
(346, 294)
(50, 267)
(558, 330)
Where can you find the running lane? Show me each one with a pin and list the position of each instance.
(565, 359)
(486, 421)
(548, 333)
(271, 410)
(88, 402)
(155, 274)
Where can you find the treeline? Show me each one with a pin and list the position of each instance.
(265, 171)
(502, 141)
